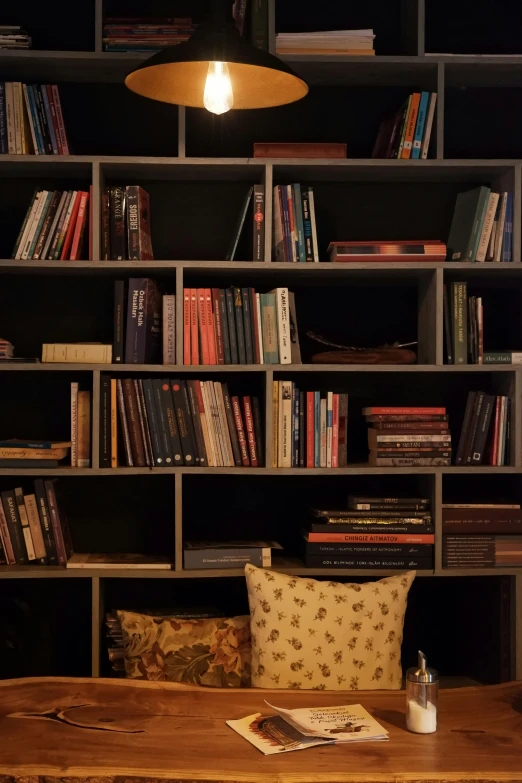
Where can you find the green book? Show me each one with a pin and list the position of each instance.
(466, 226)
(459, 296)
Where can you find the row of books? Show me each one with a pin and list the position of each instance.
(407, 133)
(405, 250)
(295, 231)
(485, 437)
(166, 423)
(126, 232)
(140, 34)
(481, 535)
(144, 323)
(358, 42)
(31, 120)
(413, 436)
(33, 526)
(13, 36)
(56, 227)
(309, 428)
(239, 326)
(482, 226)
(372, 532)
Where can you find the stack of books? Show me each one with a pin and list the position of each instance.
(239, 326)
(295, 232)
(309, 428)
(31, 120)
(402, 250)
(228, 554)
(407, 133)
(485, 437)
(297, 149)
(22, 453)
(372, 532)
(479, 535)
(13, 36)
(482, 226)
(6, 350)
(326, 42)
(404, 437)
(126, 232)
(33, 526)
(167, 423)
(56, 227)
(143, 34)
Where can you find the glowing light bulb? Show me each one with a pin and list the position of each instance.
(218, 96)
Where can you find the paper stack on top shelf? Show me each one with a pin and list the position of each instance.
(353, 42)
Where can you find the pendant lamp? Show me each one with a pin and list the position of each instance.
(217, 69)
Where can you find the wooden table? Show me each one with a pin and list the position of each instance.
(116, 729)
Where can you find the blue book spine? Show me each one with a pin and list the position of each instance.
(508, 229)
(3, 126)
(421, 122)
(295, 429)
(49, 116)
(287, 236)
(298, 204)
(317, 429)
(36, 120)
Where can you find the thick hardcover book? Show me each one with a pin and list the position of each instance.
(240, 328)
(124, 425)
(238, 420)
(185, 428)
(118, 238)
(15, 527)
(258, 244)
(133, 422)
(161, 387)
(153, 420)
(247, 325)
(142, 342)
(120, 300)
(483, 425)
(225, 557)
(45, 519)
(369, 550)
(250, 433)
(391, 562)
(467, 224)
(299, 150)
(258, 432)
(138, 224)
(269, 326)
(370, 537)
(59, 523)
(105, 422)
(202, 459)
(234, 438)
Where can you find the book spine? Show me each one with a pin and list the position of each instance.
(364, 550)
(293, 223)
(59, 232)
(202, 321)
(234, 438)
(3, 124)
(36, 528)
(317, 429)
(275, 424)
(223, 421)
(135, 338)
(49, 117)
(371, 538)
(251, 438)
(238, 419)
(310, 429)
(52, 504)
(124, 424)
(311, 201)
(186, 327)
(278, 240)
(487, 227)
(33, 226)
(105, 426)
(79, 226)
(144, 425)
(218, 326)
(471, 253)
(428, 126)
(483, 423)
(497, 253)
(283, 325)
(247, 325)
(24, 523)
(210, 414)
(258, 432)
(42, 120)
(286, 416)
(54, 118)
(42, 227)
(392, 562)
(258, 248)
(185, 429)
(475, 417)
(419, 128)
(133, 422)
(405, 462)
(207, 438)
(411, 125)
(84, 429)
(223, 320)
(302, 430)
(74, 425)
(447, 327)
(287, 233)
(323, 435)
(236, 557)
(404, 126)
(269, 325)
(241, 326)
(230, 299)
(335, 431)
(119, 316)
(169, 329)
(260, 24)
(36, 119)
(198, 428)
(298, 207)
(114, 423)
(295, 427)
(117, 223)
(211, 332)
(194, 332)
(133, 222)
(460, 332)
(105, 225)
(17, 119)
(152, 418)
(59, 117)
(258, 327)
(161, 388)
(45, 519)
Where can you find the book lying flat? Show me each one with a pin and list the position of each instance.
(305, 728)
(119, 561)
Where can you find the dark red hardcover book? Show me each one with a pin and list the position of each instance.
(232, 429)
(211, 334)
(218, 326)
(194, 337)
(407, 427)
(238, 420)
(59, 524)
(399, 411)
(405, 417)
(249, 424)
(186, 326)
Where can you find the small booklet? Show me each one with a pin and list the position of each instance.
(306, 728)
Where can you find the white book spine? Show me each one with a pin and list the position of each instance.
(24, 521)
(429, 125)
(224, 425)
(487, 227)
(259, 328)
(217, 425)
(74, 425)
(500, 227)
(311, 204)
(30, 119)
(283, 325)
(323, 437)
(10, 118)
(28, 225)
(204, 428)
(286, 423)
(17, 118)
(34, 223)
(61, 203)
(381, 438)
(169, 321)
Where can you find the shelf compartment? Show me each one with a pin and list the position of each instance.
(471, 30)
(58, 27)
(499, 137)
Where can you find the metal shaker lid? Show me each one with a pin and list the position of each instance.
(422, 673)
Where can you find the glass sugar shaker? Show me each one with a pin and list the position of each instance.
(422, 691)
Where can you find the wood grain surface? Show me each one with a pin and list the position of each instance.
(64, 727)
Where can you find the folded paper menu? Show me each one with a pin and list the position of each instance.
(309, 727)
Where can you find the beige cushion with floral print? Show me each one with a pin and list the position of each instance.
(326, 635)
(212, 651)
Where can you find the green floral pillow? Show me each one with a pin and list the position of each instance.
(213, 651)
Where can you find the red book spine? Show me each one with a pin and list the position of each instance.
(249, 422)
(78, 229)
(60, 130)
(194, 339)
(218, 326)
(310, 429)
(89, 257)
(211, 334)
(240, 432)
(253, 310)
(335, 430)
(64, 255)
(496, 432)
(403, 411)
(186, 326)
(202, 320)
(52, 106)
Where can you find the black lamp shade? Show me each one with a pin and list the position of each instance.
(178, 74)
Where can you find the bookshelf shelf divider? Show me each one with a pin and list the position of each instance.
(178, 522)
(96, 623)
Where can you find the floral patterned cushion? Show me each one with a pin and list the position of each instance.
(212, 651)
(326, 635)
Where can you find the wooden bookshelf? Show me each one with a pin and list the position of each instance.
(196, 168)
